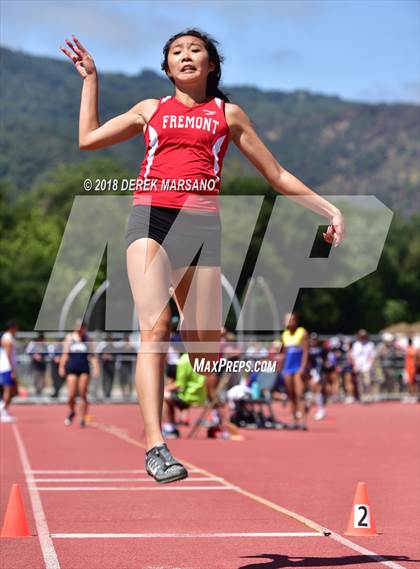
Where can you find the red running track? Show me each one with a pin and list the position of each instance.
(88, 483)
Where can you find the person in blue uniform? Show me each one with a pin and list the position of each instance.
(75, 367)
(295, 349)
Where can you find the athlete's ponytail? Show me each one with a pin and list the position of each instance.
(213, 78)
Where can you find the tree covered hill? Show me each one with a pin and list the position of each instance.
(334, 146)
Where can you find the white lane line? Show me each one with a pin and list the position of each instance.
(113, 488)
(274, 506)
(45, 541)
(374, 556)
(311, 524)
(181, 535)
(191, 479)
(92, 471)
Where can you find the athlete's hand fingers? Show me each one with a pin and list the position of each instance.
(75, 49)
(79, 45)
(71, 56)
(329, 234)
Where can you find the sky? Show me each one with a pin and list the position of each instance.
(360, 50)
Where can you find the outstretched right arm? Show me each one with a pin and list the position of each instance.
(92, 135)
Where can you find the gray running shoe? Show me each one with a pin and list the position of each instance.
(162, 466)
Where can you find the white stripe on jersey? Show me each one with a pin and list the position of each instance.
(216, 149)
(153, 137)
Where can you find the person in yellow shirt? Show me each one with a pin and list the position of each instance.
(189, 389)
(295, 348)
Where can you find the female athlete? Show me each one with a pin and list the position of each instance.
(75, 367)
(295, 346)
(186, 136)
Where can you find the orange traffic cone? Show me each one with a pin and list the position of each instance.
(15, 522)
(361, 520)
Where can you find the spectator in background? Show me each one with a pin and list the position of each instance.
(231, 350)
(107, 358)
(125, 359)
(172, 360)
(331, 369)
(278, 389)
(295, 347)
(388, 357)
(75, 366)
(175, 349)
(38, 351)
(348, 374)
(55, 350)
(8, 370)
(316, 354)
(411, 368)
(188, 389)
(363, 357)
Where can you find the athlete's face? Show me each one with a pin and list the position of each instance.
(188, 60)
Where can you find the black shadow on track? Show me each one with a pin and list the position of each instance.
(276, 561)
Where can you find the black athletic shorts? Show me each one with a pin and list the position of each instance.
(76, 370)
(171, 371)
(194, 240)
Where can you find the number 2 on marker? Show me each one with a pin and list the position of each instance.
(361, 516)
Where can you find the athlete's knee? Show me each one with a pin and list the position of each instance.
(299, 390)
(159, 333)
(83, 394)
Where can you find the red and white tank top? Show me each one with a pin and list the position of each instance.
(183, 163)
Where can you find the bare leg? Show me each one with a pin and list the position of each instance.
(288, 379)
(348, 384)
(198, 294)
(71, 391)
(299, 401)
(83, 388)
(7, 395)
(148, 270)
(334, 382)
